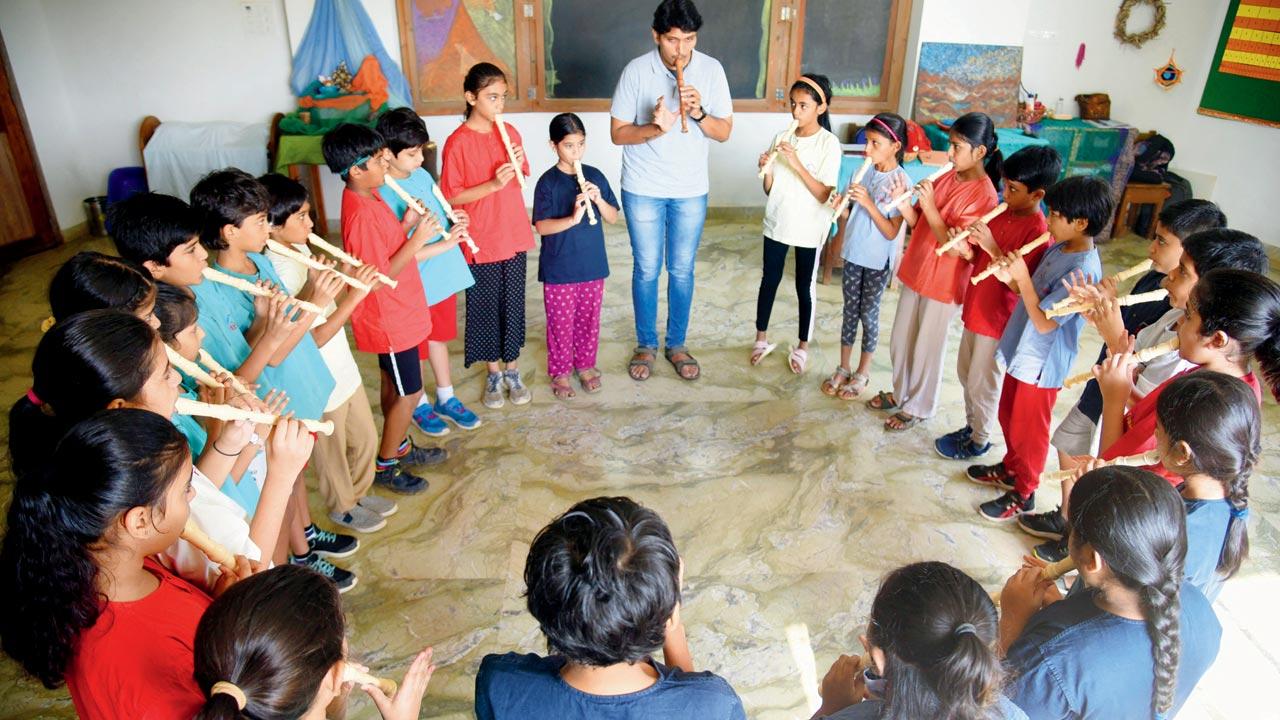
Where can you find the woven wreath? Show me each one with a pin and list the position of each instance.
(1139, 39)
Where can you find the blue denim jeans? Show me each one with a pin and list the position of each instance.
(663, 230)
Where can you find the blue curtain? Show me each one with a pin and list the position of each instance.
(341, 30)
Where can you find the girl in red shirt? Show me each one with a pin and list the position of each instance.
(933, 286)
(254, 658)
(84, 602)
(1232, 316)
(476, 175)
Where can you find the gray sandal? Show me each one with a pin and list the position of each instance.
(680, 365)
(639, 359)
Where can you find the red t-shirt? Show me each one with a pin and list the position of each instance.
(989, 304)
(945, 278)
(389, 319)
(137, 661)
(1140, 426)
(499, 224)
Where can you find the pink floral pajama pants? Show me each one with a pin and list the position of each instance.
(573, 325)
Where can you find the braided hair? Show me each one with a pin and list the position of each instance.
(1136, 521)
(1217, 416)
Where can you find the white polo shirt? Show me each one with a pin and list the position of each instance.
(672, 165)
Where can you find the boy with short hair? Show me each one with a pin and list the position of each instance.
(988, 306)
(344, 460)
(603, 581)
(161, 233)
(1037, 350)
(241, 332)
(1201, 252)
(392, 321)
(441, 264)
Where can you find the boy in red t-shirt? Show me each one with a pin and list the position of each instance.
(988, 305)
(391, 322)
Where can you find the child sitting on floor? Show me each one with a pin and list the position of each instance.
(931, 640)
(603, 581)
(253, 658)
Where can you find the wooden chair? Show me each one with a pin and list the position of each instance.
(1135, 195)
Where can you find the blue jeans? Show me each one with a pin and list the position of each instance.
(661, 229)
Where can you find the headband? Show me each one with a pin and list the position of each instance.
(222, 687)
(886, 127)
(822, 97)
(965, 628)
(359, 161)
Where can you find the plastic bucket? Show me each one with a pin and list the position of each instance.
(95, 215)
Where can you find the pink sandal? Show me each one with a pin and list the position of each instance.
(797, 359)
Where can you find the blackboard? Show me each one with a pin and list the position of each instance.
(588, 42)
(846, 41)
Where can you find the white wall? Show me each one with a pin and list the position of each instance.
(88, 72)
(1232, 163)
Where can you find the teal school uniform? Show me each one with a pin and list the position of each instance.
(226, 314)
(445, 274)
(245, 493)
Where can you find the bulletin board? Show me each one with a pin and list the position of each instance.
(1243, 82)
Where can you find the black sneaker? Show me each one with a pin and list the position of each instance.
(418, 455)
(990, 476)
(332, 544)
(1006, 507)
(344, 579)
(396, 479)
(1048, 525)
(1052, 551)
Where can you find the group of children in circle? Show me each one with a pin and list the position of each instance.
(106, 596)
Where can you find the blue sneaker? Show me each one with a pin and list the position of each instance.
(963, 433)
(429, 422)
(959, 448)
(457, 412)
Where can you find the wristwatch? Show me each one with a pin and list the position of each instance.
(698, 119)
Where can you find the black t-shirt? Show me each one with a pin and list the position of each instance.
(577, 254)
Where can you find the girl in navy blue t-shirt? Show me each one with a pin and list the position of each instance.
(1209, 433)
(572, 265)
(1138, 639)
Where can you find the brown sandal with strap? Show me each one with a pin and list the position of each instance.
(642, 357)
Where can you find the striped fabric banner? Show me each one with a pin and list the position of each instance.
(1253, 48)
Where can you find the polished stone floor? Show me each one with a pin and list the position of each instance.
(787, 505)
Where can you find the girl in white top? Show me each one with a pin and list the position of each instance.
(798, 178)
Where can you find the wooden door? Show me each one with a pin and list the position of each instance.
(26, 220)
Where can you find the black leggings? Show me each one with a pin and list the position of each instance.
(775, 258)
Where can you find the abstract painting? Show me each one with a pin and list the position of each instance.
(446, 37)
(955, 78)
